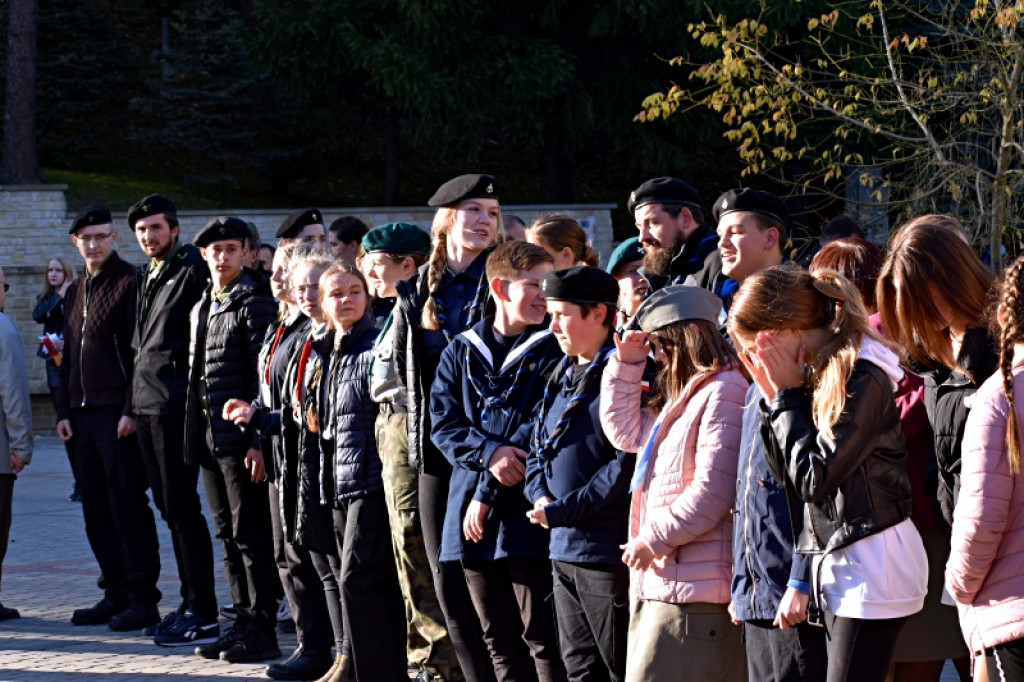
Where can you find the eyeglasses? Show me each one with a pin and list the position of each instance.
(93, 238)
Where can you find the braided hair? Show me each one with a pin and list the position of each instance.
(444, 219)
(1010, 321)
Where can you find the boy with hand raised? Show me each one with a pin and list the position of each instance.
(579, 483)
(488, 384)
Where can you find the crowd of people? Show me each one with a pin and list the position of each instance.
(478, 455)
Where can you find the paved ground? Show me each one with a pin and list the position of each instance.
(50, 571)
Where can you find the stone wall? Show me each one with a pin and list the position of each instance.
(34, 222)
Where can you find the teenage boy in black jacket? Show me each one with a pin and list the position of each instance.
(489, 381)
(169, 286)
(228, 327)
(579, 483)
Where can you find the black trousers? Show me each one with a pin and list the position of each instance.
(6, 506)
(861, 650)
(118, 520)
(371, 598)
(450, 584)
(68, 446)
(512, 597)
(1005, 662)
(241, 519)
(592, 613)
(301, 582)
(328, 568)
(791, 655)
(173, 485)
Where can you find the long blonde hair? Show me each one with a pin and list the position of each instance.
(788, 298)
(69, 274)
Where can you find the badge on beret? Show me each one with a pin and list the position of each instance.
(725, 203)
(632, 196)
(490, 188)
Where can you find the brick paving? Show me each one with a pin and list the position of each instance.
(49, 571)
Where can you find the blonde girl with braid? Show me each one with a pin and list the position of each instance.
(983, 573)
(447, 295)
(834, 440)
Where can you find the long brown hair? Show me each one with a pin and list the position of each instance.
(69, 274)
(929, 257)
(691, 347)
(558, 231)
(788, 298)
(1010, 318)
(856, 259)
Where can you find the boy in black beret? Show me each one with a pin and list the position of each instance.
(579, 483)
(752, 228)
(678, 245)
(228, 325)
(306, 226)
(487, 386)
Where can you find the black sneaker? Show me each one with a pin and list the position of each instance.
(189, 629)
(223, 643)
(229, 612)
(7, 613)
(135, 617)
(256, 645)
(100, 614)
(169, 620)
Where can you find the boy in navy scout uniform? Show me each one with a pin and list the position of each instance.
(228, 327)
(488, 384)
(579, 483)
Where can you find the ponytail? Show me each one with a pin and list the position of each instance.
(590, 256)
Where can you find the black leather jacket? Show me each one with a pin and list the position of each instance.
(848, 487)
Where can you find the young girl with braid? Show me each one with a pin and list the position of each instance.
(983, 573)
(448, 295)
(834, 440)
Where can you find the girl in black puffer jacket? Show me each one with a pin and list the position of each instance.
(344, 414)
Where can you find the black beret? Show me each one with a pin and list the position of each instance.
(473, 186)
(747, 200)
(663, 191)
(221, 229)
(676, 304)
(151, 205)
(294, 223)
(397, 238)
(91, 215)
(580, 284)
(627, 252)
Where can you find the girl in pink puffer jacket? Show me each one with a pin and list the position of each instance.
(684, 487)
(984, 573)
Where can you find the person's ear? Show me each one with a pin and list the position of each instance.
(567, 253)
(408, 266)
(771, 238)
(499, 289)
(598, 312)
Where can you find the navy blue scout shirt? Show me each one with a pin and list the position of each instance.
(458, 294)
(764, 563)
(587, 478)
(476, 406)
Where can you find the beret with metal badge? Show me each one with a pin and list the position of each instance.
(677, 303)
(150, 205)
(580, 284)
(747, 200)
(294, 223)
(663, 190)
(222, 229)
(91, 215)
(397, 238)
(472, 186)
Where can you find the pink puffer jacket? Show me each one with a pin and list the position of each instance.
(682, 509)
(984, 573)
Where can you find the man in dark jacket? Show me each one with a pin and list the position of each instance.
(94, 404)
(228, 327)
(677, 243)
(169, 287)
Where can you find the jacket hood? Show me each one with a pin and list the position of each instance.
(879, 355)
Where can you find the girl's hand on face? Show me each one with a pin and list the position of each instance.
(781, 368)
(632, 347)
(757, 373)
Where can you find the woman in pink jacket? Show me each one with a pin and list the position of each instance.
(984, 572)
(680, 529)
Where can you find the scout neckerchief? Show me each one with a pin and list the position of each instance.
(522, 352)
(544, 444)
(645, 454)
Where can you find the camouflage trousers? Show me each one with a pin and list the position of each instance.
(429, 646)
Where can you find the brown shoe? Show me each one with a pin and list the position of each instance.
(340, 671)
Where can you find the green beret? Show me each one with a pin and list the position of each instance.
(676, 304)
(627, 252)
(472, 186)
(397, 238)
(91, 215)
(580, 284)
(222, 229)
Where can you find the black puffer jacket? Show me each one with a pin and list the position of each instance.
(351, 464)
(161, 333)
(227, 362)
(848, 487)
(945, 397)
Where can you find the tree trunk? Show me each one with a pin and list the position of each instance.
(1004, 161)
(20, 164)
